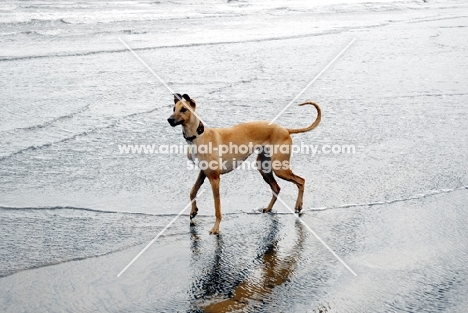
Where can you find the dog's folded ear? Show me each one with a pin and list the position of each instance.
(190, 101)
(177, 96)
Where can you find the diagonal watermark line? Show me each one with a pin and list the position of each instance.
(315, 234)
(160, 79)
(160, 233)
(313, 80)
(146, 65)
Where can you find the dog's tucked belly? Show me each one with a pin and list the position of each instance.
(226, 164)
(231, 164)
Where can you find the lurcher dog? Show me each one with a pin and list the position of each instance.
(272, 143)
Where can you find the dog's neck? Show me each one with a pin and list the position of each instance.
(193, 130)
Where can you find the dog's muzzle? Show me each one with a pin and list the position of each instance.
(172, 121)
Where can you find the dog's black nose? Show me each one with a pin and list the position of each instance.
(172, 121)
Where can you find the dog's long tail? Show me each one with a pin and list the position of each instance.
(313, 125)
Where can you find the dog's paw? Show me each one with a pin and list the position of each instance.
(265, 210)
(298, 212)
(214, 232)
(193, 213)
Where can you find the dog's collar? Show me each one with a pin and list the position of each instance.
(200, 130)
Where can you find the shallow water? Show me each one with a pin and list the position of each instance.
(74, 210)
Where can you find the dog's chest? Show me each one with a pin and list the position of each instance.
(191, 153)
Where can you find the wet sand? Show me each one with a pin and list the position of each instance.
(409, 256)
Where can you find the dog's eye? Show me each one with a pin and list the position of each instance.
(173, 109)
(183, 110)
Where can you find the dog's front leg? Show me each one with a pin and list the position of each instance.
(193, 195)
(214, 180)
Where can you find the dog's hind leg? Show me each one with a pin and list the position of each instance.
(193, 195)
(264, 167)
(285, 172)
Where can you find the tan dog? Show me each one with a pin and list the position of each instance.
(273, 141)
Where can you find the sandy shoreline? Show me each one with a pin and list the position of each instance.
(268, 262)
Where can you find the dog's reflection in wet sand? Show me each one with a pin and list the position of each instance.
(219, 290)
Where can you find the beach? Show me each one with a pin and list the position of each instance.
(386, 173)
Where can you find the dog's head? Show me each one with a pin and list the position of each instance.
(183, 107)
